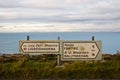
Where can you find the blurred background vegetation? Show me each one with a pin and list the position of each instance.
(44, 67)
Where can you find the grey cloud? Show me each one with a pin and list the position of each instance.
(60, 11)
(9, 3)
(1, 26)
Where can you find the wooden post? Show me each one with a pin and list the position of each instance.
(28, 38)
(93, 38)
(58, 56)
(27, 55)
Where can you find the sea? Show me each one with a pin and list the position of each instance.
(9, 42)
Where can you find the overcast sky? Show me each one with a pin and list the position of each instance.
(59, 15)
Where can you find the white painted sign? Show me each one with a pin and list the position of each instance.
(69, 50)
(72, 50)
(39, 47)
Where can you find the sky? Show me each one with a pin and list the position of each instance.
(59, 15)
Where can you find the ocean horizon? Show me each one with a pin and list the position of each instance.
(9, 42)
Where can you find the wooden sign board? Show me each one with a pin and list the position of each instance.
(39, 47)
(81, 50)
(69, 50)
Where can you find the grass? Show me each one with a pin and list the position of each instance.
(34, 69)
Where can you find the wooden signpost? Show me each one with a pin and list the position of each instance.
(39, 47)
(67, 50)
(81, 50)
